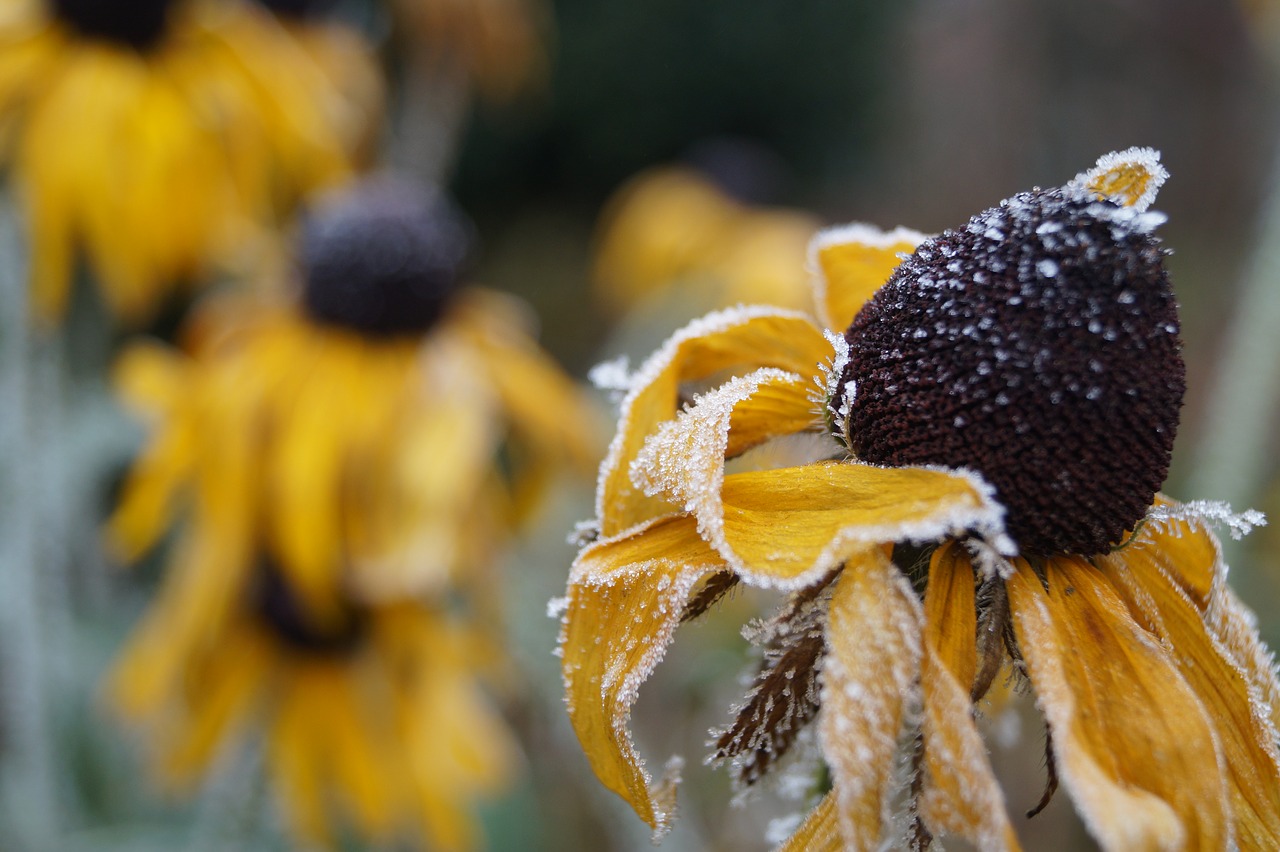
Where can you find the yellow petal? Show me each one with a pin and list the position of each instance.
(1243, 722)
(297, 762)
(626, 596)
(961, 796)
(685, 458)
(873, 662)
(789, 526)
(850, 263)
(1131, 742)
(820, 831)
(738, 340)
(1129, 178)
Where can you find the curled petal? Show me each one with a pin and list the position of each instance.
(961, 795)
(1131, 740)
(787, 527)
(739, 340)
(851, 262)
(626, 598)
(685, 458)
(873, 662)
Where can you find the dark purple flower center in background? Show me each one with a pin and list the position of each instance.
(297, 8)
(280, 608)
(384, 259)
(135, 23)
(1038, 346)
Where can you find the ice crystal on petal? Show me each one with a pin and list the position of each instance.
(1130, 178)
(1211, 512)
(613, 375)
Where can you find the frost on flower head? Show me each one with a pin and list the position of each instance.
(998, 421)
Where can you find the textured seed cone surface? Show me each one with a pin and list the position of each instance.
(1038, 346)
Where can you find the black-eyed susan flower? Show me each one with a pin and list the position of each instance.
(339, 472)
(672, 227)
(156, 137)
(988, 436)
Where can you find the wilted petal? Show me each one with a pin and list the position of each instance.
(685, 458)
(1131, 741)
(1130, 178)
(1244, 726)
(820, 831)
(873, 661)
(851, 262)
(740, 340)
(789, 526)
(961, 795)
(626, 597)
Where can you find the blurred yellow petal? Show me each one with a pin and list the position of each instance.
(656, 229)
(761, 261)
(739, 340)
(231, 683)
(872, 666)
(295, 762)
(820, 831)
(850, 263)
(626, 596)
(1131, 741)
(789, 526)
(1130, 178)
(961, 796)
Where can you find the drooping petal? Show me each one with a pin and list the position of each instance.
(685, 458)
(873, 662)
(1131, 741)
(787, 527)
(820, 831)
(1130, 178)
(961, 796)
(1244, 729)
(626, 596)
(739, 340)
(851, 262)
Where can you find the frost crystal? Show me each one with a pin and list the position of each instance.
(1211, 512)
(613, 375)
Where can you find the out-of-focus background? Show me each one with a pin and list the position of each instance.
(819, 111)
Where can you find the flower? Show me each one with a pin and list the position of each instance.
(207, 121)
(671, 225)
(944, 533)
(331, 467)
(379, 719)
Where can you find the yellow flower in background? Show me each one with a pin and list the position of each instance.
(497, 44)
(378, 720)
(360, 455)
(983, 447)
(158, 138)
(672, 227)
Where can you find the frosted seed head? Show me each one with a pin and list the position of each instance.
(384, 258)
(1062, 390)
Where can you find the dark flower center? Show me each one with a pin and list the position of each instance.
(383, 260)
(1038, 346)
(296, 8)
(136, 23)
(281, 609)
